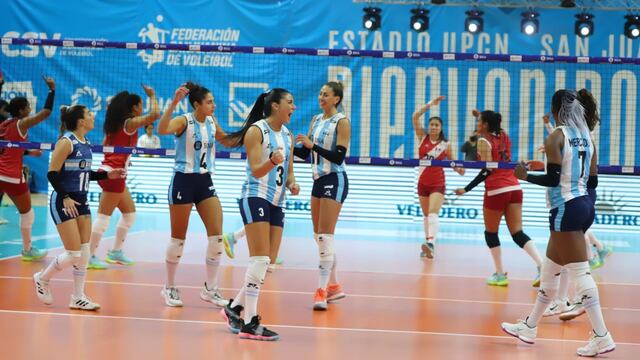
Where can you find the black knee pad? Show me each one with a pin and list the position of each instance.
(520, 238)
(491, 239)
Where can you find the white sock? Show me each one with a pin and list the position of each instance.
(26, 223)
(325, 247)
(333, 278)
(122, 229)
(549, 279)
(563, 287)
(587, 292)
(98, 228)
(254, 278)
(174, 253)
(61, 262)
(425, 225)
(214, 252)
(80, 270)
(434, 226)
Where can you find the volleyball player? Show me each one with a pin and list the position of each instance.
(571, 170)
(269, 147)
(431, 181)
(69, 175)
(502, 197)
(195, 136)
(124, 117)
(12, 180)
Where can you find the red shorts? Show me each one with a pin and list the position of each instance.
(112, 185)
(426, 190)
(499, 202)
(12, 189)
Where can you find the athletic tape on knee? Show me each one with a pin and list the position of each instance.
(26, 219)
(586, 287)
(549, 278)
(174, 250)
(101, 224)
(325, 247)
(215, 248)
(520, 238)
(492, 239)
(256, 271)
(126, 220)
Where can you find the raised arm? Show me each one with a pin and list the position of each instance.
(167, 125)
(144, 120)
(417, 115)
(28, 122)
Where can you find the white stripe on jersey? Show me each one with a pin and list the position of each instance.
(189, 159)
(324, 134)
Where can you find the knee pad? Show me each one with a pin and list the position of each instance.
(26, 219)
(215, 247)
(174, 250)
(325, 247)
(581, 274)
(101, 224)
(492, 239)
(520, 238)
(71, 257)
(256, 271)
(126, 220)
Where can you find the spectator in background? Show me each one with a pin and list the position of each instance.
(470, 148)
(148, 140)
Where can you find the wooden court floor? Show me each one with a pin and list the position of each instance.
(397, 307)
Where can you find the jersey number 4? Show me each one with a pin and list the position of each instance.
(203, 161)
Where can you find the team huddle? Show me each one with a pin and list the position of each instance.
(570, 179)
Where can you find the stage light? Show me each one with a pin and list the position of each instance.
(474, 22)
(584, 25)
(632, 26)
(371, 19)
(529, 23)
(419, 20)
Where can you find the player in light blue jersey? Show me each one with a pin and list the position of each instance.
(195, 136)
(69, 175)
(327, 141)
(269, 146)
(571, 170)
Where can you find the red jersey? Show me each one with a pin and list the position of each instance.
(120, 138)
(431, 175)
(500, 180)
(11, 158)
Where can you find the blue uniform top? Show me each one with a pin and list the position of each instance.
(196, 147)
(270, 187)
(324, 133)
(74, 175)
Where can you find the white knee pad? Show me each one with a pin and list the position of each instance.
(26, 219)
(174, 250)
(215, 247)
(70, 257)
(549, 278)
(101, 224)
(256, 271)
(325, 247)
(581, 275)
(126, 220)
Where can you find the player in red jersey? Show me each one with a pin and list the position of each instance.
(431, 183)
(12, 180)
(124, 117)
(503, 195)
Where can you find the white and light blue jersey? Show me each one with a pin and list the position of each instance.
(196, 147)
(74, 174)
(575, 167)
(270, 187)
(324, 133)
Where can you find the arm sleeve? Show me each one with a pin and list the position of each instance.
(48, 103)
(54, 180)
(482, 175)
(336, 157)
(98, 175)
(550, 179)
(592, 183)
(301, 152)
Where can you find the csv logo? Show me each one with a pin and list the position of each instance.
(29, 51)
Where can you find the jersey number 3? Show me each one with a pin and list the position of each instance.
(280, 174)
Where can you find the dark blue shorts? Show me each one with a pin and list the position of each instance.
(190, 188)
(333, 186)
(256, 209)
(575, 215)
(59, 213)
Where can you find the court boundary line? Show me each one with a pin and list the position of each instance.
(306, 293)
(299, 327)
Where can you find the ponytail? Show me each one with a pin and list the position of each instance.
(590, 108)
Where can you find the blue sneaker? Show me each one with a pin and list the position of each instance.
(33, 254)
(117, 257)
(498, 280)
(594, 263)
(602, 254)
(96, 264)
(229, 244)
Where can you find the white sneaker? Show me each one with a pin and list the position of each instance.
(597, 345)
(576, 310)
(171, 296)
(521, 330)
(42, 289)
(558, 307)
(213, 296)
(83, 303)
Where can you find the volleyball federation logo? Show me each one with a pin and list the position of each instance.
(154, 34)
(88, 97)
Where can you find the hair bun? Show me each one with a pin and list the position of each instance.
(191, 86)
(64, 108)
